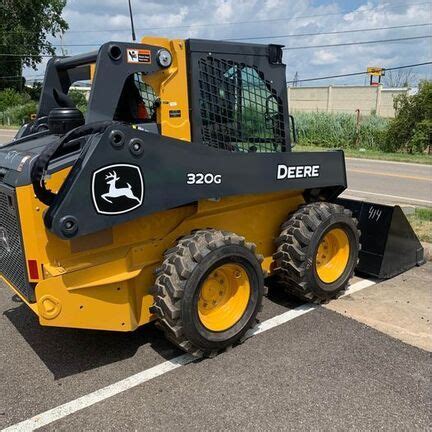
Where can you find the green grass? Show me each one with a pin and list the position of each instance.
(363, 139)
(340, 130)
(421, 221)
(373, 154)
(11, 127)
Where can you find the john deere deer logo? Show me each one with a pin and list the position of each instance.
(114, 191)
(117, 189)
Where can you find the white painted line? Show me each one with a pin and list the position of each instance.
(365, 283)
(389, 196)
(388, 162)
(90, 399)
(281, 319)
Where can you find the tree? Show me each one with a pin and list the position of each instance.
(399, 78)
(79, 99)
(411, 129)
(10, 98)
(24, 28)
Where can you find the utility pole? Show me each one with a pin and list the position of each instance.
(132, 23)
(296, 80)
(21, 74)
(61, 45)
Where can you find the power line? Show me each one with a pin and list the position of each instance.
(11, 76)
(282, 36)
(34, 77)
(360, 73)
(358, 43)
(393, 6)
(285, 49)
(329, 33)
(313, 79)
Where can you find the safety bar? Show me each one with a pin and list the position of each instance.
(75, 61)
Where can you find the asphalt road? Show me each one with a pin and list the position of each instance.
(6, 135)
(319, 371)
(390, 182)
(372, 180)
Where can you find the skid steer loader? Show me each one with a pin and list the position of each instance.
(177, 194)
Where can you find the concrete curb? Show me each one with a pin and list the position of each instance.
(427, 251)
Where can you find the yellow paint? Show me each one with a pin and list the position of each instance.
(104, 280)
(36, 239)
(171, 86)
(224, 297)
(267, 264)
(375, 70)
(332, 255)
(92, 71)
(49, 307)
(376, 173)
(113, 282)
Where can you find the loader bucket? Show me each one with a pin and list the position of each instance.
(389, 245)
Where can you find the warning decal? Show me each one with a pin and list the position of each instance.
(138, 56)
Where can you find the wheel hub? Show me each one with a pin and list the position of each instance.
(332, 255)
(223, 297)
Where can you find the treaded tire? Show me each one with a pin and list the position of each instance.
(178, 283)
(297, 246)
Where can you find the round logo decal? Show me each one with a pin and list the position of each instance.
(117, 189)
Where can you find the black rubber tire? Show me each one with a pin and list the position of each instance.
(178, 283)
(297, 245)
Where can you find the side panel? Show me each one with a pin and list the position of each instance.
(171, 86)
(168, 173)
(116, 294)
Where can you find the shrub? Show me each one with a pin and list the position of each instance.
(79, 99)
(20, 114)
(411, 129)
(34, 91)
(10, 98)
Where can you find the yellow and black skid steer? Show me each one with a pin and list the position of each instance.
(177, 194)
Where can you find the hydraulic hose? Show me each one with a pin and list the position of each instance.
(40, 166)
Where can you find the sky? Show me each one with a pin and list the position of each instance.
(274, 21)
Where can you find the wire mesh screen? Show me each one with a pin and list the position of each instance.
(147, 94)
(239, 109)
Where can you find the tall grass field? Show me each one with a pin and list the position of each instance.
(340, 130)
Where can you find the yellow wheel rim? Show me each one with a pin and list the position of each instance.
(332, 255)
(224, 297)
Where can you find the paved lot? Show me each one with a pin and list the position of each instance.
(319, 371)
(336, 367)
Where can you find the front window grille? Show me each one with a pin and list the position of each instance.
(240, 110)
